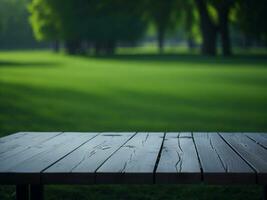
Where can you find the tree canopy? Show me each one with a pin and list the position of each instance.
(101, 25)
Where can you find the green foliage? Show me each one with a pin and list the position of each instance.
(164, 14)
(43, 20)
(15, 30)
(104, 22)
(190, 21)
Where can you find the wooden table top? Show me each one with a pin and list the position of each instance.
(129, 157)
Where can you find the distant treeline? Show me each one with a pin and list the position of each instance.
(101, 25)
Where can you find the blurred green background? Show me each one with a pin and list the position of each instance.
(144, 65)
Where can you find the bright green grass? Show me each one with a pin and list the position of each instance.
(41, 91)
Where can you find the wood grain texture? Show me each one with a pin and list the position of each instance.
(129, 158)
(20, 142)
(250, 151)
(179, 161)
(81, 164)
(134, 162)
(220, 164)
(31, 162)
(12, 137)
(258, 138)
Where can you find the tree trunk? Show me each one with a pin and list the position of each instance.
(161, 33)
(191, 43)
(110, 47)
(55, 46)
(208, 30)
(224, 31)
(209, 34)
(189, 20)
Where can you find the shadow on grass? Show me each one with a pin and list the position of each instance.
(27, 64)
(191, 58)
(28, 108)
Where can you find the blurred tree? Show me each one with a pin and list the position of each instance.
(214, 20)
(164, 14)
(223, 9)
(82, 23)
(115, 21)
(208, 28)
(44, 22)
(250, 18)
(15, 30)
(189, 21)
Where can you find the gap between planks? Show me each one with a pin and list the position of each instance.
(112, 155)
(158, 158)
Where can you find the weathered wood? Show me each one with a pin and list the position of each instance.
(219, 162)
(134, 162)
(37, 192)
(23, 141)
(258, 138)
(251, 152)
(81, 164)
(12, 137)
(22, 192)
(32, 161)
(179, 161)
(86, 158)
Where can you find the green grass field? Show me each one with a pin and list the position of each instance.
(42, 91)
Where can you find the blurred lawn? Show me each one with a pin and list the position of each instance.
(41, 91)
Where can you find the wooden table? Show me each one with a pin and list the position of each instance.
(31, 160)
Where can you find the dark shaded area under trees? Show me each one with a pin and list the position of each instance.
(101, 26)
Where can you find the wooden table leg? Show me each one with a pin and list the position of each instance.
(265, 192)
(37, 192)
(22, 192)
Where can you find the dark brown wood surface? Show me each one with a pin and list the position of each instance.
(128, 157)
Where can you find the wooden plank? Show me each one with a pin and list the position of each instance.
(32, 161)
(11, 137)
(179, 161)
(134, 162)
(22, 142)
(250, 151)
(220, 164)
(21, 138)
(80, 166)
(259, 138)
